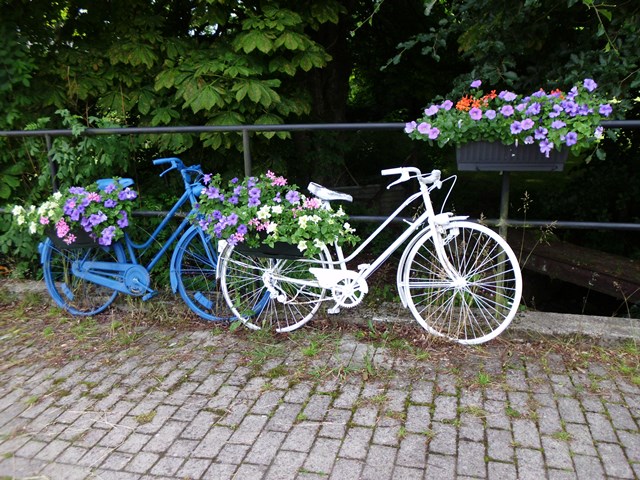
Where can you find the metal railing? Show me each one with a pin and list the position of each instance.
(503, 222)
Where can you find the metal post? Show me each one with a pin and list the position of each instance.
(52, 167)
(503, 223)
(246, 150)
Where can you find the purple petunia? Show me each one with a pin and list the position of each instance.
(516, 127)
(410, 127)
(571, 138)
(475, 113)
(506, 110)
(605, 110)
(432, 110)
(447, 105)
(490, 114)
(476, 83)
(292, 197)
(590, 85)
(545, 147)
(558, 124)
(110, 203)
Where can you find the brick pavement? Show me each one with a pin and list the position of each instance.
(327, 404)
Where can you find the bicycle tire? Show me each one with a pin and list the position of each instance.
(244, 286)
(193, 272)
(479, 306)
(76, 295)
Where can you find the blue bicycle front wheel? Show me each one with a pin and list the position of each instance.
(76, 295)
(193, 275)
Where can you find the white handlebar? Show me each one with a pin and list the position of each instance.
(405, 174)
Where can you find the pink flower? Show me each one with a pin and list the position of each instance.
(70, 239)
(312, 203)
(44, 220)
(93, 197)
(62, 228)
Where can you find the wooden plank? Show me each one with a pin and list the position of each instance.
(602, 272)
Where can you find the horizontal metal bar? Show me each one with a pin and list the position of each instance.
(206, 129)
(563, 224)
(249, 128)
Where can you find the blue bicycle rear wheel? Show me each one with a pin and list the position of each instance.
(76, 295)
(193, 275)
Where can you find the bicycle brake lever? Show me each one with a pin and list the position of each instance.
(167, 170)
(403, 178)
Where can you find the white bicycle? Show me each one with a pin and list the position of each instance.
(459, 279)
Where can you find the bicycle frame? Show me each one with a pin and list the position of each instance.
(429, 217)
(132, 277)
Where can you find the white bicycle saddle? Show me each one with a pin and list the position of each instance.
(328, 195)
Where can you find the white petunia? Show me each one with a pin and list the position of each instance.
(33, 226)
(271, 227)
(277, 209)
(302, 245)
(263, 213)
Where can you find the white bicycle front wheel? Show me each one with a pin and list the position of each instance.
(477, 302)
(266, 292)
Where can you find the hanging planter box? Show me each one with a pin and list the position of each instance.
(494, 156)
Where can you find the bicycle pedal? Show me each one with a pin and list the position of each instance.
(149, 295)
(333, 310)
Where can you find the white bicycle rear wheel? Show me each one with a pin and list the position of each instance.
(478, 305)
(273, 293)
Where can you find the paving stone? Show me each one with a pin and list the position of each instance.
(581, 442)
(471, 459)
(232, 453)
(500, 445)
(621, 417)
(301, 437)
(346, 469)
(266, 447)
(557, 453)
(349, 394)
(322, 455)
(356, 443)
(212, 442)
(525, 433)
(412, 452)
(614, 461)
(249, 429)
(317, 407)
(142, 462)
(422, 392)
(444, 440)
(193, 468)
(588, 467)
(221, 471)
(442, 467)
(446, 408)
(418, 418)
(285, 466)
(335, 423)
(284, 417)
(530, 464)
(407, 473)
(501, 471)
(167, 466)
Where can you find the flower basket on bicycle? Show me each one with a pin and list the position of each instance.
(266, 216)
(279, 250)
(82, 239)
(80, 217)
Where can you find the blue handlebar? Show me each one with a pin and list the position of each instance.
(160, 161)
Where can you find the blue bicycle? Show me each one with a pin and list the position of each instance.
(85, 280)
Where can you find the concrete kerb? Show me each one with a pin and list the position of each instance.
(528, 325)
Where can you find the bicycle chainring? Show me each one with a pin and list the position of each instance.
(349, 292)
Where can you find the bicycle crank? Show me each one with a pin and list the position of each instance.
(347, 287)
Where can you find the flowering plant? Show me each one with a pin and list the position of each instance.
(551, 120)
(266, 210)
(101, 212)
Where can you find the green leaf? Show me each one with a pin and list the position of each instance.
(248, 42)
